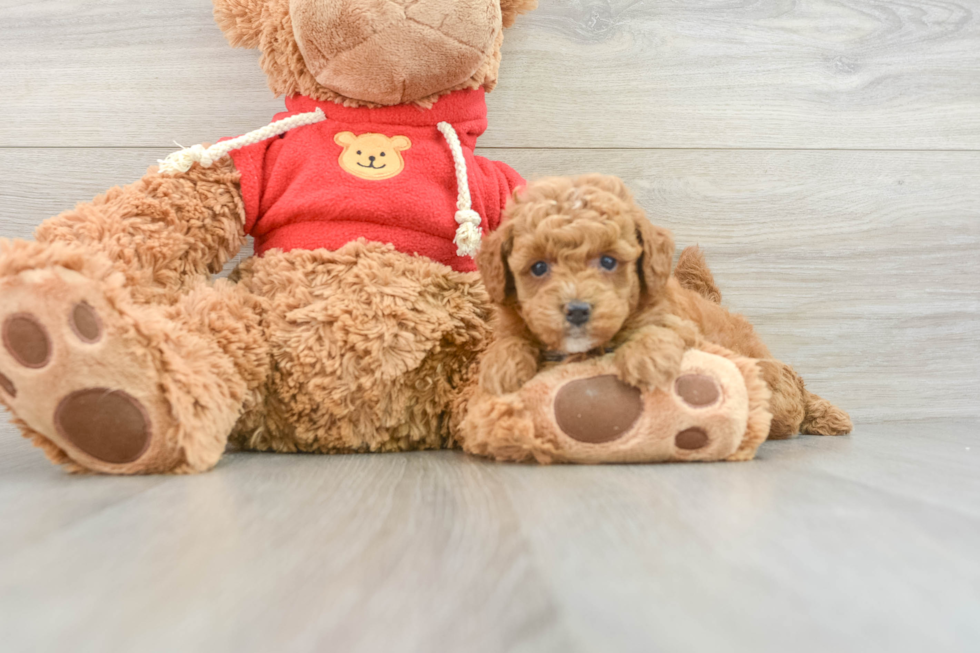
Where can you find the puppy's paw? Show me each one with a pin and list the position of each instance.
(651, 359)
(507, 366)
(650, 373)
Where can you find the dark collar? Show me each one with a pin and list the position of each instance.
(560, 356)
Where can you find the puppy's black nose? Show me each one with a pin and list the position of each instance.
(371, 159)
(578, 313)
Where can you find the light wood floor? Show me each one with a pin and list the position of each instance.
(866, 543)
(826, 154)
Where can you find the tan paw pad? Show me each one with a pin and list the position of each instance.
(691, 439)
(697, 390)
(85, 323)
(26, 340)
(598, 409)
(109, 425)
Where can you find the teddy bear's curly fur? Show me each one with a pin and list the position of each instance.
(121, 356)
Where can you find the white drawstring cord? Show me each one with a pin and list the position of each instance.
(183, 160)
(468, 235)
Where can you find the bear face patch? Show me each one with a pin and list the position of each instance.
(372, 156)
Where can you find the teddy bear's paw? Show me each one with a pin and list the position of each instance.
(75, 370)
(701, 415)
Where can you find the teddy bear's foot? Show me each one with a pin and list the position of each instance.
(81, 371)
(701, 416)
(715, 409)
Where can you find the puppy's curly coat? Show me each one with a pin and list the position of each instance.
(576, 268)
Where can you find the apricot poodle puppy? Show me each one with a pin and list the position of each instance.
(576, 269)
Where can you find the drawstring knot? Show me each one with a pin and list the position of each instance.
(183, 160)
(468, 234)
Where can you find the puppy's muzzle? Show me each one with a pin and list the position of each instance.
(578, 313)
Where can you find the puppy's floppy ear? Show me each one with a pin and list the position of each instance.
(655, 263)
(492, 261)
(510, 9)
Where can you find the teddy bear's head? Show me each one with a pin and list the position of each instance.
(373, 52)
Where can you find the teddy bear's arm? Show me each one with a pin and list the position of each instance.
(163, 230)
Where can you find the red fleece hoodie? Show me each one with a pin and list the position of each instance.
(384, 174)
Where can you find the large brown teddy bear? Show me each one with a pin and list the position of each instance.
(358, 322)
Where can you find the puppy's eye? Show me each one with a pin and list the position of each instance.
(608, 263)
(539, 269)
(358, 151)
(382, 154)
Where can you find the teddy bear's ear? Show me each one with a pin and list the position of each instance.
(401, 143)
(242, 21)
(510, 9)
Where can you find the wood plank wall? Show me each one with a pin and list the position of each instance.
(826, 154)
